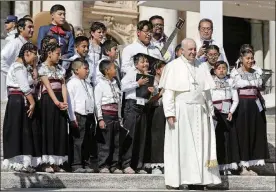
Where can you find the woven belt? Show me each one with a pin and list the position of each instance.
(55, 90)
(220, 101)
(16, 93)
(110, 109)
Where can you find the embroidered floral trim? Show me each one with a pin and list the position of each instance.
(21, 161)
(154, 165)
(211, 163)
(53, 159)
(258, 162)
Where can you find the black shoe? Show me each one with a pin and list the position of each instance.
(197, 187)
(171, 188)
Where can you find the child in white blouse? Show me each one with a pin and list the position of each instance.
(53, 106)
(81, 113)
(251, 119)
(225, 101)
(108, 104)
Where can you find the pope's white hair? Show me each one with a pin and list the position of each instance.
(186, 40)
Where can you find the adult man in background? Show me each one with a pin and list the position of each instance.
(10, 26)
(11, 50)
(205, 29)
(159, 38)
(142, 45)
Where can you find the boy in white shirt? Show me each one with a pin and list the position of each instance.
(110, 52)
(135, 115)
(108, 99)
(81, 113)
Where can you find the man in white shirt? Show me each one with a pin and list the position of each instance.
(142, 45)
(159, 38)
(205, 28)
(11, 50)
(10, 26)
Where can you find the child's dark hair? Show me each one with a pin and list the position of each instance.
(49, 47)
(107, 46)
(245, 47)
(176, 50)
(143, 23)
(26, 47)
(96, 26)
(27, 16)
(159, 64)
(80, 39)
(244, 50)
(137, 57)
(104, 65)
(212, 47)
(218, 63)
(22, 24)
(46, 40)
(76, 64)
(57, 7)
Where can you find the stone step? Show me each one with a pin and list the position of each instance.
(110, 181)
(89, 189)
(271, 128)
(270, 137)
(270, 118)
(271, 148)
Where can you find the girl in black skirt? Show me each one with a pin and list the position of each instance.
(20, 143)
(251, 119)
(53, 110)
(225, 100)
(157, 124)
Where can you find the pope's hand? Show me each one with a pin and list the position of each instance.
(171, 121)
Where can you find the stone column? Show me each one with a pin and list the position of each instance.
(257, 41)
(74, 10)
(214, 10)
(5, 11)
(170, 18)
(272, 52)
(22, 8)
(192, 20)
(36, 7)
(267, 64)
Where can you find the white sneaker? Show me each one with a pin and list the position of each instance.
(156, 171)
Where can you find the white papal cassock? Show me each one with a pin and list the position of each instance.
(190, 145)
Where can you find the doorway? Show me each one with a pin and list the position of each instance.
(236, 31)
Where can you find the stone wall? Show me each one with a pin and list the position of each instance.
(120, 18)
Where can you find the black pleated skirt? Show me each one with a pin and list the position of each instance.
(252, 133)
(54, 131)
(21, 135)
(158, 135)
(227, 142)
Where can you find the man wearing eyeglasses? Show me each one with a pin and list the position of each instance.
(142, 45)
(159, 38)
(10, 51)
(205, 28)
